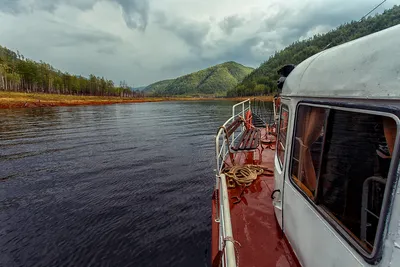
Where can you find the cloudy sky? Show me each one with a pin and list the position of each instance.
(143, 41)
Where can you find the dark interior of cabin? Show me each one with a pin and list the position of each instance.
(351, 155)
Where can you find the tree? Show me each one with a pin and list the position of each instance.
(20, 74)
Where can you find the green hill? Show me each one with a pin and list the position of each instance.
(216, 80)
(263, 79)
(157, 86)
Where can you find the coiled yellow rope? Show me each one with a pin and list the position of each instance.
(243, 175)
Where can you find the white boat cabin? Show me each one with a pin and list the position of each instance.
(336, 168)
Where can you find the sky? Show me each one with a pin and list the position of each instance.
(144, 41)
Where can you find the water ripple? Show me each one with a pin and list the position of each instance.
(119, 185)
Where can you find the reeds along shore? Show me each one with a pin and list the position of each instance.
(31, 100)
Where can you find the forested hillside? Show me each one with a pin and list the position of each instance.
(158, 87)
(263, 79)
(20, 74)
(215, 81)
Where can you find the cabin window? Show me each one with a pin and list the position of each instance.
(283, 124)
(340, 162)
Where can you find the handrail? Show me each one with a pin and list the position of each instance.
(222, 150)
(243, 109)
(226, 226)
(242, 113)
(262, 114)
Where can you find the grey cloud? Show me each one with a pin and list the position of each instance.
(106, 50)
(242, 52)
(19, 6)
(73, 38)
(192, 33)
(228, 24)
(135, 12)
(239, 52)
(283, 28)
(292, 24)
(287, 29)
(50, 6)
(11, 6)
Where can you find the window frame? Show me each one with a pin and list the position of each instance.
(286, 107)
(392, 112)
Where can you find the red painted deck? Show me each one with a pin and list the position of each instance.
(254, 224)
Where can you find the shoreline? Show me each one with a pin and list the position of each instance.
(10, 100)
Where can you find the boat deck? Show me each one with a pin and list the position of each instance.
(254, 225)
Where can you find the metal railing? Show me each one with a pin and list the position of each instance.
(221, 146)
(263, 112)
(226, 244)
(245, 105)
(225, 227)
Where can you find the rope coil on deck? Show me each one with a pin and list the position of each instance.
(243, 175)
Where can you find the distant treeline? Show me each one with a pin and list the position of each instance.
(263, 79)
(20, 74)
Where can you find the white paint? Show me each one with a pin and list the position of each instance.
(278, 185)
(367, 68)
(314, 241)
(279, 171)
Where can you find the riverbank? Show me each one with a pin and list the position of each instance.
(32, 100)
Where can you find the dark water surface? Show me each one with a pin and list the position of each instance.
(118, 185)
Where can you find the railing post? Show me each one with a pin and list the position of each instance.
(217, 149)
(250, 105)
(230, 254)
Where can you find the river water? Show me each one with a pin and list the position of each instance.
(117, 185)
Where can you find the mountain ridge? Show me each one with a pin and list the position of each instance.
(214, 80)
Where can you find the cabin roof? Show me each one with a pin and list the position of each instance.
(368, 67)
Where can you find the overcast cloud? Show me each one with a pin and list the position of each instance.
(143, 41)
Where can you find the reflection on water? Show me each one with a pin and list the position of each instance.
(118, 185)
